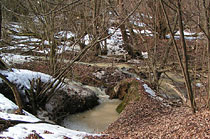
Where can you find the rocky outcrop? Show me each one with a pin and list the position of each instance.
(127, 90)
(71, 99)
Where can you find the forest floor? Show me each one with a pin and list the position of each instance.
(145, 118)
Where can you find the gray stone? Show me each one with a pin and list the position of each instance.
(71, 98)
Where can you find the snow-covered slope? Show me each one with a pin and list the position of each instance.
(23, 130)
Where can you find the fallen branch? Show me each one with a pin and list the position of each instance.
(15, 93)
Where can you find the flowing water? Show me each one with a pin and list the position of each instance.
(95, 120)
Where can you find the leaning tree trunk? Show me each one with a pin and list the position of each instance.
(187, 81)
(185, 63)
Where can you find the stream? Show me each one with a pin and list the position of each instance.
(94, 120)
(97, 119)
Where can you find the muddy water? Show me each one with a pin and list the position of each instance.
(95, 120)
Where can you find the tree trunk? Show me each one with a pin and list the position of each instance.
(207, 16)
(96, 10)
(161, 24)
(53, 60)
(177, 51)
(127, 46)
(185, 59)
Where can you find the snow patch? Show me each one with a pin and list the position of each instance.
(139, 24)
(199, 84)
(9, 107)
(22, 77)
(65, 34)
(14, 58)
(6, 105)
(115, 42)
(149, 90)
(145, 32)
(44, 51)
(14, 26)
(46, 131)
(15, 117)
(145, 55)
(65, 47)
(186, 33)
(99, 74)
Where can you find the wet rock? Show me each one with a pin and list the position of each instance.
(127, 90)
(71, 99)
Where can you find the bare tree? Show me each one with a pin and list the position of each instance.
(206, 7)
(185, 59)
(184, 64)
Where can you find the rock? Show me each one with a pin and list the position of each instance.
(71, 99)
(127, 90)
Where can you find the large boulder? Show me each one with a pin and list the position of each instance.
(71, 99)
(127, 90)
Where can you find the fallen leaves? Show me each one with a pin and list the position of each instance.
(147, 118)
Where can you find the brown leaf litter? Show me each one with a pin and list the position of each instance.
(149, 118)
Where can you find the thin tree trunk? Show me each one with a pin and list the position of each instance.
(128, 48)
(170, 44)
(96, 10)
(53, 60)
(185, 59)
(177, 53)
(207, 16)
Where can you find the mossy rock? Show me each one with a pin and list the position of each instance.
(131, 91)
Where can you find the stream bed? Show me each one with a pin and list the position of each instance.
(94, 120)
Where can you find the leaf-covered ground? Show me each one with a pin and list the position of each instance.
(149, 118)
